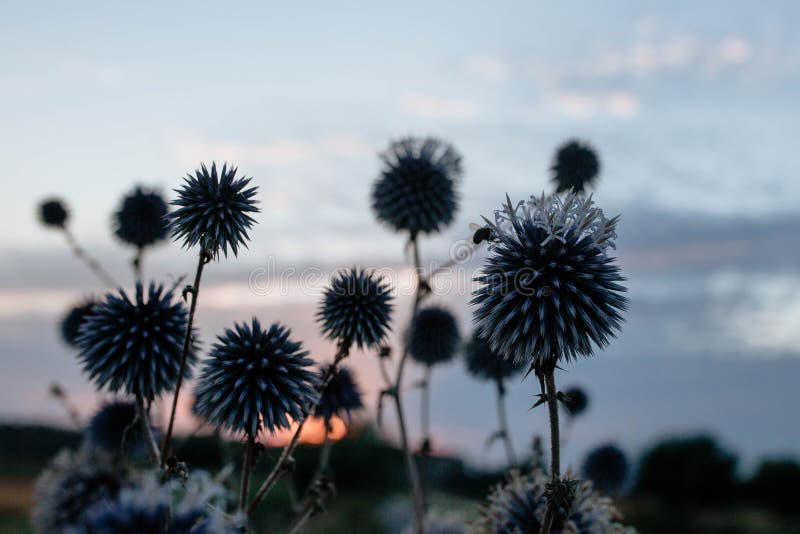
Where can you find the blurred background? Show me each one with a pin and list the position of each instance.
(692, 109)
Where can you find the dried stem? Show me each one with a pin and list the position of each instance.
(136, 263)
(555, 458)
(147, 432)
(247, 465)
(411, 466)
(61, 396)
(187, 343)
(281, 466)
(503, 419)
(90, 262)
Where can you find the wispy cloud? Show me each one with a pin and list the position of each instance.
(436, 107)
(490, 68)
(587, 104)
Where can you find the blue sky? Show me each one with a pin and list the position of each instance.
(692, 107)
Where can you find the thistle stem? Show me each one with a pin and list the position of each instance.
(187, 342)
(281, 465)
(147, 432)
(246, 467)
(136, 263)
(425, 424)
(503, 419)
(555, 458)
(411, 466)
(93, 265)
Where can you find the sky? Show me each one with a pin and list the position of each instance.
(692, 109)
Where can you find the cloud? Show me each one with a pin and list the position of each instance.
(586, 104)
(436, 107)
(277, 151)
(488, 68)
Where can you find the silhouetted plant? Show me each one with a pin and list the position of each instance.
(484, 364)
(213, 211)
(141, 221)
(415, 193)
(549, 292)
(691, 470)
(71, 323)
(575, 167)
(607, 467)
(576, 401)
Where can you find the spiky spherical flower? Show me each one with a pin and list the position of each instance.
(607, 467)
(71, 483)
(340, 397)
(549, 291)
(575, 167)
(416, 191)
(433, 336)
(356, 308)
(53, 212)
(135, 346)
(485, 364)
(71, 323)
(141, 219)
(148, 507)
(576, 400)
(115, 429)
(214, 210)
(255, 377)
(519, 506)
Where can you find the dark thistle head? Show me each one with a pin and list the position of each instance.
(141, 219)
(576, 400)
(519, 505)
(416, 191)
(433, 336)
(135, 346)
(606, 466)
(53, 212)
(340, 397)
(68, 487)
(116, 430)
(549, 292)
(485, 364)
(72, 321)
(575, 167)
(255, 377)
(214, 210)
(356, 308)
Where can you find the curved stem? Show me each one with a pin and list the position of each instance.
(90, 262)
(136, 263)
(187, 343)
(147, 432)
(281, 466)
(411, 466)
(246, 467)
(503, 419)
(555, 454)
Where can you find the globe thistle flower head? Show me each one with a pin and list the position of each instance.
(141, 219)
(68, 487)
(53, 212)
(115, 430)
(356, 308)
(214, 210)
(549, 291)
(253, 378)
(433, 336)
(148, 507)
(485, 364)
(416, 191)
(575, 167)
(576, 400)
(519, 506)
(134, 345)
(73, 320)
(607, 467)
(340, 397)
